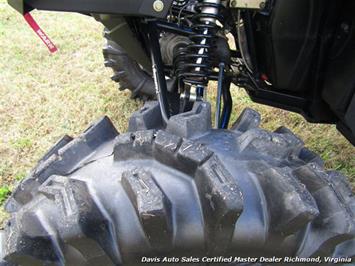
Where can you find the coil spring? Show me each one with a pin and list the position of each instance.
(193, 63)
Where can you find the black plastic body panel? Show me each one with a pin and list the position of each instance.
(120, 7)
(306, 49)
(339, 79)
(287, 42)
(349, 120)
(290, 41)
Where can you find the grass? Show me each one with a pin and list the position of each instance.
(4, 193)
(43, 96)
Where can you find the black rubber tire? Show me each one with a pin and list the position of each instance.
(108, 199)
(127, 73)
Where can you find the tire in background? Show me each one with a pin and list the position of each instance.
(127, 72)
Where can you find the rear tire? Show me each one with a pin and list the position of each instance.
(127, 72)
(109, 199)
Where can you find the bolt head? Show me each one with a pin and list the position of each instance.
(158, 6)
(345, 27)
(234, 3)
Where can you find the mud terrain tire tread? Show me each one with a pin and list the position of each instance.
(70, 219)
(127, 72)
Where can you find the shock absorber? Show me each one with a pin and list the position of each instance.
(193, 63)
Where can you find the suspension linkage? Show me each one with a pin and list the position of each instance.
(158, 71)
(223, 91)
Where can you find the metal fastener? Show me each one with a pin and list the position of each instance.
(158, 6)
(248, 4)
(234, 3)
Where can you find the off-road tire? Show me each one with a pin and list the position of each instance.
(109, 199)
(127, 73)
